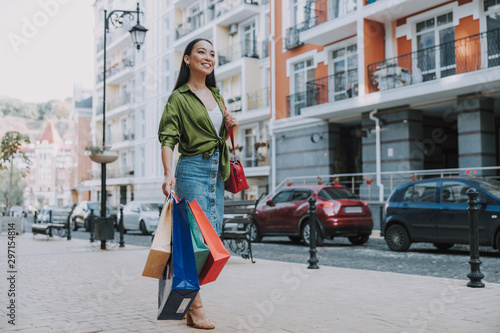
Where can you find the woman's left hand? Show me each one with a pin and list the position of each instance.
(231, 121)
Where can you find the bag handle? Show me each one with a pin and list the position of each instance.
(230, 129)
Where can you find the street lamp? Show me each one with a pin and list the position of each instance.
(138, 34)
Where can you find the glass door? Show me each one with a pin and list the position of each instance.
(343, 83)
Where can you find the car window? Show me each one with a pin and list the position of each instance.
(336, 193)
(284, 196)
(149, 207)
(489, 185)
(301, 195)
(421, 192)
(454, 192)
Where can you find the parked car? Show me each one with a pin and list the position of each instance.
(81, 213)
(141, 215)
(339, 211)
(435, 211)
(16, 211)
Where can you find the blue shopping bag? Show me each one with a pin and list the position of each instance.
(179, 284)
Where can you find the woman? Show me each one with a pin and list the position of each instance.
(194, 118)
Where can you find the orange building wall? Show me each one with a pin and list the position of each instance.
(282, 81)
(468, 52)
(374, 37)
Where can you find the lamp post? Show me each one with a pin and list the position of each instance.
(138, 34)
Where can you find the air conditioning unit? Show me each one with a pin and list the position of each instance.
(233, 29)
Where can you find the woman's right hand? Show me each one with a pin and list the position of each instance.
(168, 184)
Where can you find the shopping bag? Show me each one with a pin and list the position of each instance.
(201, 250)
(161, 246)
(179, 284)
(218, 254)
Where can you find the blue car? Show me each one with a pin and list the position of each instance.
(435, 211)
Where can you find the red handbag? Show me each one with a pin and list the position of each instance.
(237, 181)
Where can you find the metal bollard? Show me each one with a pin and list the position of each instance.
(120, 226)
(35, 217)
(91, 222)
(50, 221)
(475, 274)
(313, 261)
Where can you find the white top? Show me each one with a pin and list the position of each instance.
(216, 118)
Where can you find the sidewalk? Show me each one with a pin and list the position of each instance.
(67, 286)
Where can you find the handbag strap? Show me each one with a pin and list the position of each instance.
(230, 129)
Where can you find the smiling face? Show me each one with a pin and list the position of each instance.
(202, 58)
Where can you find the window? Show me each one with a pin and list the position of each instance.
(166, 34)
(303, 86)
(422, 192)
(284, 196)
(436, 47)
(454, 192)
(344, 81)
(301, 195)
(125, 135)
(493, 35)
(249, 43)
(165, 75)
(339, 8)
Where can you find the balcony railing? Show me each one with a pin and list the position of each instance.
(245, 48)
(322, 11)
(208, 14)
(234, 104)
(118, 101)
(265, 49)
(116, 68)
(258, 99)
(463, 55)
(331, 88)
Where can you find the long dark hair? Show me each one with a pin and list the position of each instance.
(184, 71)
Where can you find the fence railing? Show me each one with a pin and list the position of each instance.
(116, 68)
(245, 48)
(365, 184)
(462, 55)
(330, 88)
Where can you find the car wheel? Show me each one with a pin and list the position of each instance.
(143, 228)
(254, 232)
(359, 239)
(397, 238)
(295, 239)
(443, 246)
(306, 231)
(75, 226)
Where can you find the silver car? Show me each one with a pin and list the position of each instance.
(141, 215)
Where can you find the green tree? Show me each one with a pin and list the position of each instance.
(16, 189)
(10, 147)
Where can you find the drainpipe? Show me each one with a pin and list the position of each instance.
(273, 96)
(378, 155)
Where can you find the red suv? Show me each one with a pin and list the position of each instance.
(339, 211)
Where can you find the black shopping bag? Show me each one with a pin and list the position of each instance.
(179, 284)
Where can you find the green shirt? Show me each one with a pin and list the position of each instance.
(185, 121)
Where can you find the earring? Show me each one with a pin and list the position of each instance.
(187, 65)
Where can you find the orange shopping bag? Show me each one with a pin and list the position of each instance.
(218, 254)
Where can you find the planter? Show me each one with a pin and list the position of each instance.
(104, 157)
(368, 182)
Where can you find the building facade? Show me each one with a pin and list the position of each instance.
(320, 87)
(426, 71)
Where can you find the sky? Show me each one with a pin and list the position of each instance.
(45, 47)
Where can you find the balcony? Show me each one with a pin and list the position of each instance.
(115, 105)
(258, 99)
(292, 40)
(332, 88)
(234, 104)
(226, 12)
(118, 72)
(245, 48)
(117, 38)
(463, 55)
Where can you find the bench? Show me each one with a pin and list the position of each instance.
(238, 218)
(49, 229)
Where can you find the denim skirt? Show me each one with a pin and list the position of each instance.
(198, 178)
